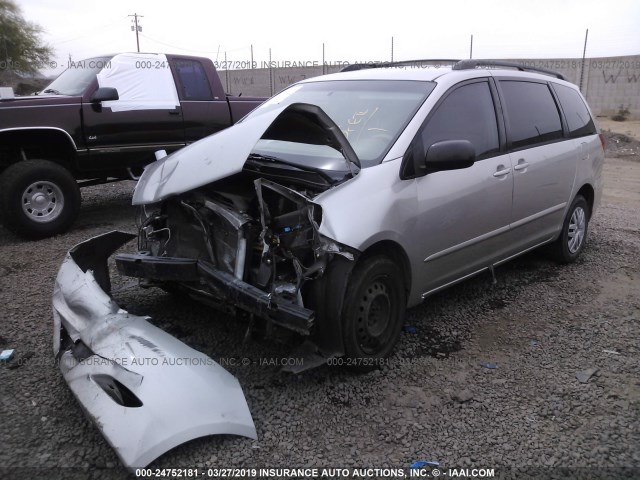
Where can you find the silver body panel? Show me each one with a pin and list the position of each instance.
(455, 224)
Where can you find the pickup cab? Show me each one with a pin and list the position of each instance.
(100, 121)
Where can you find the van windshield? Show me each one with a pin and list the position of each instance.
(371, 113)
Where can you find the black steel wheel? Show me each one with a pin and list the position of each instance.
(373, 312)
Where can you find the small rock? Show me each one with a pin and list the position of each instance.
(585, 375)
(463, 396)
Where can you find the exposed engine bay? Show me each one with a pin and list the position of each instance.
(248, 230)
(245, 241)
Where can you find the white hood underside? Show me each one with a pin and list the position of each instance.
(215, 157)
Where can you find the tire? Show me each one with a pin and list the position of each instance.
(572, 239)
(373, 312)
(38, 198)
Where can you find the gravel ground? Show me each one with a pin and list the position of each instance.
(541, 325)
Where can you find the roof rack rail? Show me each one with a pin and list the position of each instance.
(362, 66)
(471, 64)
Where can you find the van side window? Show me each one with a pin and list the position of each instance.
(576, 112)
(533, 116)
(467, 113)
(193, 80)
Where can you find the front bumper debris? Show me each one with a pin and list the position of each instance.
(146, 391)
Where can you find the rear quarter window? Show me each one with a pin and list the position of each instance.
(532, 113)
(576, 112)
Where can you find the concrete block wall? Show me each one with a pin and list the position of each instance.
(607, 82)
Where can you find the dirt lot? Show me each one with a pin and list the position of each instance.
(541, 324)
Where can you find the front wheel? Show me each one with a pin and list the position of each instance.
(38, 198)
(373, 312)
(567, 248)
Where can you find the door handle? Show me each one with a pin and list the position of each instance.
(522, 164)
(175, 111)
(502, 172)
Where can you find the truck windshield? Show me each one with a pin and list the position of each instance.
(371, 113)
(75, 79)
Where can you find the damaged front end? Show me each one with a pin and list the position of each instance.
(146, 391)
(248, 244)
(249, 239)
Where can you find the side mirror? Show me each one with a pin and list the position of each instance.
(449, 155)
(104, 94)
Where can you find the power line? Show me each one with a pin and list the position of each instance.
(191, 49)
(87, 33)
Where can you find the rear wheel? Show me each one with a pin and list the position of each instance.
(567, 248)
(373, 312)
(38, 198)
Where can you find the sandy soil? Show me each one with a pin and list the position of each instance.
(622, 177)
(629, 127)
(622, 182)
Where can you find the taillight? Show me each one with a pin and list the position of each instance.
(602, 141)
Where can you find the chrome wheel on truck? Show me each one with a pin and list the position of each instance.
(38, 198)
(42, 201)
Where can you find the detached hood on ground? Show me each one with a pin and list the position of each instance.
(224, 153)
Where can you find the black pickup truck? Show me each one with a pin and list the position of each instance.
(102, 120)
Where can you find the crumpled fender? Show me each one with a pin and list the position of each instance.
(146, 391)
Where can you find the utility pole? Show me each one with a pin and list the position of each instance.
(391, 49)
(136, 28)
(584, 54)
(471, 48)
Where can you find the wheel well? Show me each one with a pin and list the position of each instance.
(393, 250)
(587, 192)
(46, 144)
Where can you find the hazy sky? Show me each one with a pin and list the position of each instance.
(352, 30)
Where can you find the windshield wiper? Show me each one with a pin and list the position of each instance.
(269, 158)
(51, 90)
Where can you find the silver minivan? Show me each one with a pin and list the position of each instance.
(334, 206)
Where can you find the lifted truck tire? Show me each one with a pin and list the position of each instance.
(38, 198)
